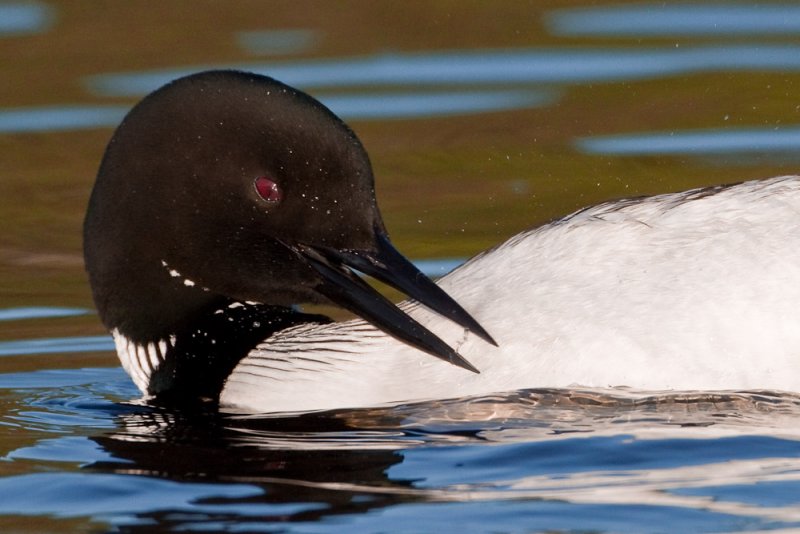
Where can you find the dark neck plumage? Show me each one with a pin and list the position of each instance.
(202, 355)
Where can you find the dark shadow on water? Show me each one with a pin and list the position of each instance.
(306, 467)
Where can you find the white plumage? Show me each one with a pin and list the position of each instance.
(689, 291)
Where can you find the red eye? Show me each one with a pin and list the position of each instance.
(267, 189)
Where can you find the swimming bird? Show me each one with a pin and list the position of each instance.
(225, 198)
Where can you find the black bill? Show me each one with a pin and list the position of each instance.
(346, 289)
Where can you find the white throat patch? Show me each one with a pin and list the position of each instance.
(140, 361)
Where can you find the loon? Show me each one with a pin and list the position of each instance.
(225, 198)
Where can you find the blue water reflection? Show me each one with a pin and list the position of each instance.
(486, 67)
(77, 494)
(699, 142)
(679, 19)
(641, 456)
(62, 449)
(55, 345)
(23, 18)
(39, 312)
(51, 380)
(60, 118)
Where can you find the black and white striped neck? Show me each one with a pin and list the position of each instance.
(191, 365)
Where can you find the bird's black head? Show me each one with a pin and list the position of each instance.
(227, 186)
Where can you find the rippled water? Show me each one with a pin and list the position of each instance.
(481, 120)
(533, 460)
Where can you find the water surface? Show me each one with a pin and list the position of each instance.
(545, 460)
